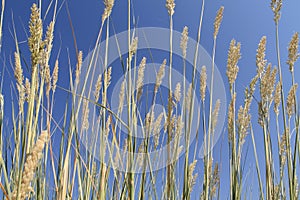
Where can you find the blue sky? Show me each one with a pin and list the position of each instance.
(245, 21)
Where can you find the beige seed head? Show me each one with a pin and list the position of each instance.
(55, 76)
(18, 69)
(108, 8)
(35, 38)
(156, 129)
(267, 84)
(85, 114)
(47, 79)
(293, 51)
(184, 40)
(133, 48)
(290, 103)
(260, 56)
(78, 66)
(277, 98)
(121, 96)
(170, 5)
(160, 75)
(140, 80)
(30, 166)
(203, 78)
(215, 115)
(218, 21)
(177, 92)
(233, 57)
(27, 89)
(98, 88)
(188, 98)
(276, 6)
(107, 77)
(192, 177)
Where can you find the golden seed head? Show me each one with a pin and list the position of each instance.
(276, 6)
(243, 121)
(47, 79)
(31, 163)
(98, 88)
(55, 76)
(107, 77)
(121, 96)
(184, 40)
(160, 75)
(85, 114)
(27, 89)
(177, 92)
(78, 66)
(233, 57)
(192, 177)
(36, 32)
(215, 115)
(293, 51)
(290, 103)
(108, 8)
(260, 56)
(188, 97)
(277, 98)
(18, 69)
(267, 84)
(49, 38)
(170, 5)
(140, 80)
(156, 129)
(203, 78)
(218, 21)
(133, 47)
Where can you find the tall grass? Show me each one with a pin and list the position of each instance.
(34, 170)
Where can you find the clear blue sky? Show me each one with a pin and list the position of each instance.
(245, 21)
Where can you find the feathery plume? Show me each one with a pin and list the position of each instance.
(156, 129)
(98, 88)
(277, 98)
(215, 115)
(107, 77)
(170, 5)
(133, 47)
(184, 40)
(121, 96)
(177, 92)
(267, 84)
(203, 78)
(85, 114)
(260, 56)
(55, 76)
(30, 166)
(192, 177)
(140, 80)
(78, 67)
(293, 51)
(36, 32)
(276, 6)
(108, 8)
(27, 89)
(218, 21)
(233, 57)
(290, 103)
(188, 98)
(160, 76)
(18, 69)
